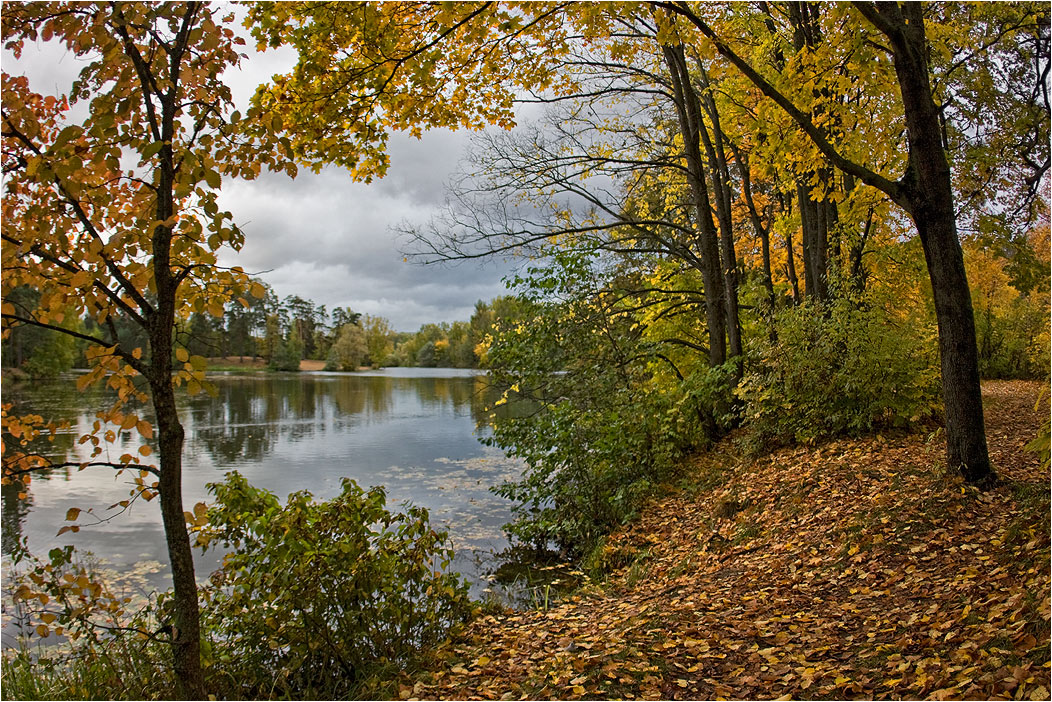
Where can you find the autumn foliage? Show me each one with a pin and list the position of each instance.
(856, 569)
(771, 222)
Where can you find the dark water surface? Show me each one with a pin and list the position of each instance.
(414, 431)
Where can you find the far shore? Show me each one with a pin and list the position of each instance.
(258, 363)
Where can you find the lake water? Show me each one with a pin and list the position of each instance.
(414, 431)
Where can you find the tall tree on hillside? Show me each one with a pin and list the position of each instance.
(115, 218)
(461, 64)
(924, 190)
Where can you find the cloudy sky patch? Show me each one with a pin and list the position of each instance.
(323, 236)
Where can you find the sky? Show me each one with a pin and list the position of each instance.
(329, 239)
(323, 236)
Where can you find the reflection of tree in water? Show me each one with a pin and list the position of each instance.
(233, 425)
(441, 392)
(14, 513)
(351, 398)
(249, 415)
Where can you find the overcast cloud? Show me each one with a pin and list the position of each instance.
(323, 236)
(327, 238)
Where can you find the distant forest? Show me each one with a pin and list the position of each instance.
(281, 332)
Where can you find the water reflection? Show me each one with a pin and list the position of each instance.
(414, 431)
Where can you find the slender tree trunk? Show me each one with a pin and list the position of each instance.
(814, 221)
(857, 271)
(688, 111)
(186, 632)
(790, 259)
(721, 190)
(762, 231)
(808, 226)
(186, 627)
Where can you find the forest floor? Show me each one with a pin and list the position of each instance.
(858, 568)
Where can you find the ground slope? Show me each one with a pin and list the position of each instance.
(859, 568)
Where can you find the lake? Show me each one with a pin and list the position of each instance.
(414, 431)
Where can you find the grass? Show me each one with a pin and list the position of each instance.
(122, 669)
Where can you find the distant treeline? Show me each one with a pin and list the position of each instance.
(281, 332)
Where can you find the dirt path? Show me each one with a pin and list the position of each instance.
(859, 568)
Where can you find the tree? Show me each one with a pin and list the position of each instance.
(115, 217)
(349, 350)
(378, 335)
(288, 351)
(307, 318)
(924, 191)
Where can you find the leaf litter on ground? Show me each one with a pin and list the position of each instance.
(859, 568)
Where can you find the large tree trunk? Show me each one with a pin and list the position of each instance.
(929, 193)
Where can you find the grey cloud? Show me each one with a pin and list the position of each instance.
(322, 236)
(326, 238)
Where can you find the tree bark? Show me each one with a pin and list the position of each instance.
(762, 232)
(688, 110)
(721, 189)
(929, 194)
(790, 257)
(186, 630)
(814, 223)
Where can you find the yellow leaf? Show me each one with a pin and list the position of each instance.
(72, 513)
(182, 355)
(145, 450)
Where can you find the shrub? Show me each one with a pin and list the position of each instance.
(314, 598)
(597, 432)
(838, 368)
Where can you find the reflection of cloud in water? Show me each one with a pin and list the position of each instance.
(414, 431)
(461, 499)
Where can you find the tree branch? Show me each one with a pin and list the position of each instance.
(889, 187)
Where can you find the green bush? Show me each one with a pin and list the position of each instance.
(316, 598)
(1013, 343)
(838, 368)
(596, 431)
